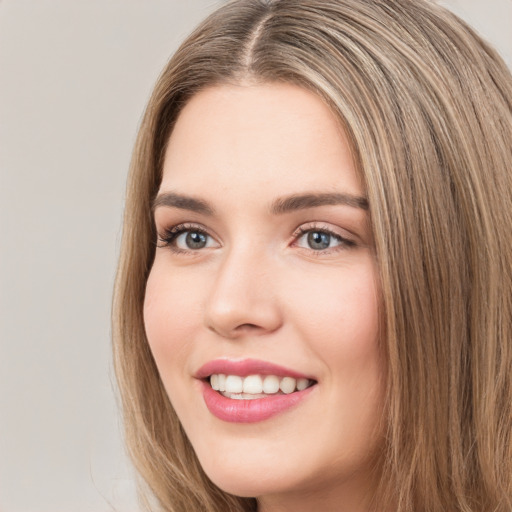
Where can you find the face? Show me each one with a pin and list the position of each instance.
(264, 285)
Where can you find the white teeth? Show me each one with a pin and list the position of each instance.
(302, 384)
(253, 384)
(234, 384)
(271, 384)
(256, 386)
(287, 385)
(243, 396)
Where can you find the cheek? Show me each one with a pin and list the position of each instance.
(340, 312)
(340, 320)
(170, 316)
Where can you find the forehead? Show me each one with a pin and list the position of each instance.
(272, 137)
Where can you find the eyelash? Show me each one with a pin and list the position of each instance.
(170, 235)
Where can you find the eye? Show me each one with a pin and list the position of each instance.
(318, 240)
(323, 239)
(191, 240)
(183, 238)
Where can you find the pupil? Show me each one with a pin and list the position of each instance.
(196, 240)
(319, 240)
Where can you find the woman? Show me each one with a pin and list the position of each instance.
(313, 303)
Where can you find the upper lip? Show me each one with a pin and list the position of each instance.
(245, 367)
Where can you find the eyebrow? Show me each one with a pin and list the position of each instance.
(173, 200)
(278, 207)
(313, 200)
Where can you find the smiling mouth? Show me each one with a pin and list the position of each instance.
(253, 387)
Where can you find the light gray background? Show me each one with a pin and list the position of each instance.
(74, 78)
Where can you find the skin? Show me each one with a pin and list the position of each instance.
(258, 289)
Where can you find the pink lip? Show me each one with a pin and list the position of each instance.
(248, 411)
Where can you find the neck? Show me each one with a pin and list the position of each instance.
(350, 496)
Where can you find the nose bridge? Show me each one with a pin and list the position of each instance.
(242, 297)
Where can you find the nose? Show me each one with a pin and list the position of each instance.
(244, 297)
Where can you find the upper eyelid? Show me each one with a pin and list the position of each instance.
(186, 226)
(326, 227)
(300, 229)
(346, 241)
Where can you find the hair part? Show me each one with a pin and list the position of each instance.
(427, 106)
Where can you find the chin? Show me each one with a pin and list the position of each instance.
(251, 481)
(248, 486)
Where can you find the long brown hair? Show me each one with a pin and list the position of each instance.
(428, 109)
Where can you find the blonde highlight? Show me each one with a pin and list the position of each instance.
(427, 106)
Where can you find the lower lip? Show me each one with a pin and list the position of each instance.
(250, 411)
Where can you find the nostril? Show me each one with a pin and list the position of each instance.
(248, 327)
(236, 331)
